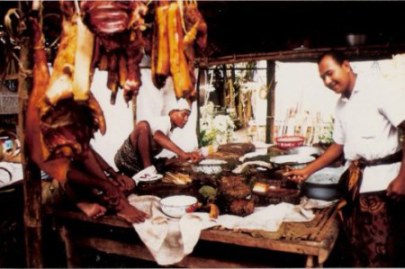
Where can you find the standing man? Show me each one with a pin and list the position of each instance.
(368, 117)
(148, 138)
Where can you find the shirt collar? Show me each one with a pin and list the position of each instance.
(358, 85)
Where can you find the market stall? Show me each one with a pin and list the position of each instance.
(242, 199)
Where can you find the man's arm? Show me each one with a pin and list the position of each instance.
(330, 155)
(397, 186)
(165, 142)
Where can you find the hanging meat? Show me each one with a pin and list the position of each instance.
(62, 114)
(160, 63)
(118, 27)
(178, 27)
(121, 41)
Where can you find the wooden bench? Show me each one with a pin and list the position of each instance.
(216, 247)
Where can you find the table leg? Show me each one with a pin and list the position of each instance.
(71, 258)
(310, 261)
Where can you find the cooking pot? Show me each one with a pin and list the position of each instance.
(323, 185)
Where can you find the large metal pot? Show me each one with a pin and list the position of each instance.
(327, 192)
(323, 185)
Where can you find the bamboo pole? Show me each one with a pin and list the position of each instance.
(32, 177)
(271, 85)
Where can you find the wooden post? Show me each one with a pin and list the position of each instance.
(32, 177)
(198, 105)
(271, 85)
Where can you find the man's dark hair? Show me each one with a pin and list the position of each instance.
(338, 56)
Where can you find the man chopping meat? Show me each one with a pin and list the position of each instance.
(368, 117)
(149, 137)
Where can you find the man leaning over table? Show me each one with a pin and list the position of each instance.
(149, 137)
(368, 117)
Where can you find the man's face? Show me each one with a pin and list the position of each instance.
(335, 76)
(180, 117)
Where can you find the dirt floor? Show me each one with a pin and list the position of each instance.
(12, 244)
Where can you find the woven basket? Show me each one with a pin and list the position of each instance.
(8, 103)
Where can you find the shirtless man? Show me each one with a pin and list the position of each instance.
(95, 187)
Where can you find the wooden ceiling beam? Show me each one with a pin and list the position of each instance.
(370, 52)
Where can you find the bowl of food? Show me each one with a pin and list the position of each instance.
(209, 166)
(293, 161)
(178, 205)
(323, 184)
(289, 141)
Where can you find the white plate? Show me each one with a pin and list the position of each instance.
(150, 179)
(212, 162)
(292, 158)
(262, 145)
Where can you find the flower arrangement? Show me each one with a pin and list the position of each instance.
(215, 129)
(326, 135)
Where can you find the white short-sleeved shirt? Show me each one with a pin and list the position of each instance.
(366, 125)
(161, 123)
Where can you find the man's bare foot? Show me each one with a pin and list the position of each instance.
(129, 213)
(92, 210)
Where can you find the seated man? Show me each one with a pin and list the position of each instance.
(95, 188)
(148, 138)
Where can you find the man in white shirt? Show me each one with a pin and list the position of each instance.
(149, 137)
(368, 117)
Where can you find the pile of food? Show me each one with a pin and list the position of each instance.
(235, 196)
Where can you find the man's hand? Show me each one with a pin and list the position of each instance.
(123, 182)
(396, 189)
(111, 194)
(126, 183)
(297, 175)
(194, 156)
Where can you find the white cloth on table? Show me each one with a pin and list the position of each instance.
(267, 218)
(169, 239)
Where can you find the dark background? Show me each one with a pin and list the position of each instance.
(240, 27)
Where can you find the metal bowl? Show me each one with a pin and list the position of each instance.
(356, 39)
(325, 192)
(323, 185)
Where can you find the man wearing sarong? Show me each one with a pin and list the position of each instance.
(135, 158)
(368, 117)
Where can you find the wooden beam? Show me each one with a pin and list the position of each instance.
(32, 176)
(357, 53)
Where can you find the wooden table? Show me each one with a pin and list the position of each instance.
(112, 235)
